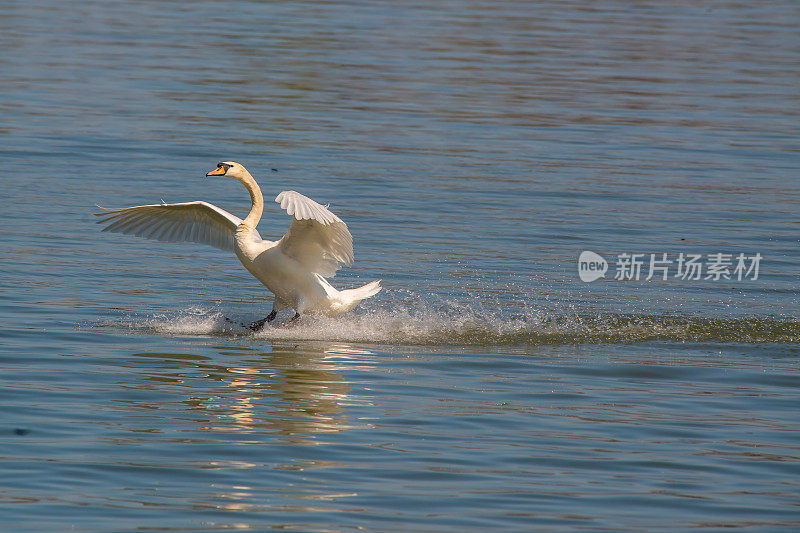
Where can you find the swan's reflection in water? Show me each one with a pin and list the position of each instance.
(251, 422)
(312, 396)
(294, 391)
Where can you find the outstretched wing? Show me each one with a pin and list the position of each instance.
(199, 222)
(317, 238)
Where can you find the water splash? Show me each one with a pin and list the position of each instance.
(420, 322)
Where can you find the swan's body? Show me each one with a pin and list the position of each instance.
(294, 268)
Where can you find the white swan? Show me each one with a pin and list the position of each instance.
(293, 268)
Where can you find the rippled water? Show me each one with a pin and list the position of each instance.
(475, 150)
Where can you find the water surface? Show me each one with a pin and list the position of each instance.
(475, 150)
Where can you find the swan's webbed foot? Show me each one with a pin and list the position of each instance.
(258, 324)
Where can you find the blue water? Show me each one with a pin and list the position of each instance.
(474, 150)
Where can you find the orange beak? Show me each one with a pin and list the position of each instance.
(219, 171)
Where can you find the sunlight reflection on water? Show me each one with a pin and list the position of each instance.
(475, 150)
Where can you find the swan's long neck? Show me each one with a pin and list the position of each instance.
(257, 199)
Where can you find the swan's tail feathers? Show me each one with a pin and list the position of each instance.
(351, 297)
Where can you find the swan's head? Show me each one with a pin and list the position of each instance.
(230, 169)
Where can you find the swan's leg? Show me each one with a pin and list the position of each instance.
(258, 324)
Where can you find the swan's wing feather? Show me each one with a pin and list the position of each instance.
(317, 238)
(199, 222)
